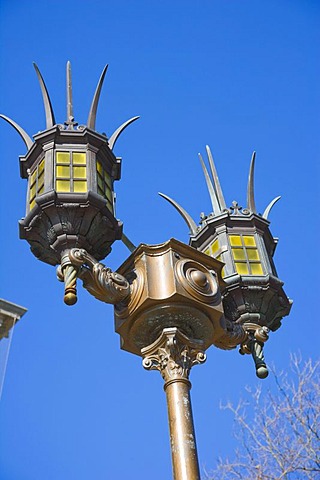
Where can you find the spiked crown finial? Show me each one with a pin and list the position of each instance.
(70, 123)
(216, 195)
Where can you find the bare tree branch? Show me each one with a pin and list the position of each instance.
(278, 433)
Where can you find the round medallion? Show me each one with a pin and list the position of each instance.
(197, 280)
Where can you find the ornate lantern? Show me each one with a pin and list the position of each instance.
(70, 170)
(240, 237)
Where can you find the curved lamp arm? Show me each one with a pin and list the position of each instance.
(251, 338)
(99, 280)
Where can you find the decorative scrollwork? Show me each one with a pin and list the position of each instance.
(257, 335)
(70, 282)
(67, 273)
(173, 354)
(236, 209)
(234, 335)
(99, 280)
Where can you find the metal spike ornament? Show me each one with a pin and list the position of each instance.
(240, 237)
(70, 170)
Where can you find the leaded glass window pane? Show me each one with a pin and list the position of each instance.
(104, 185)
(36, 183)
(70, 168)
(245, 254)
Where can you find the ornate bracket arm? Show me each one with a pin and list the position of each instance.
(233, 335)
(99, 280)
(173, 354)
(256, 337)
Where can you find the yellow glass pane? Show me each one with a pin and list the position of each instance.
(99, 168)
(41, 167)
(33, 177)
(79, 186)
(238, 254)
(100, 192)
(235, 240)
(242, 268)
(63, 157)
(32, 204)
(249, 240)
(63, 186)
(41, 179)
(256, 269)
(100, 183)
(33, 191)
(79, 172)
(207, 252)
(63, 171)
(107, 179)
(79, 157)
(215, 246)
(108, 194)
(220, 258)
(41, 190)
(253, 254)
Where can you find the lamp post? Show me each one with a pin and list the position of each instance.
(171, 301)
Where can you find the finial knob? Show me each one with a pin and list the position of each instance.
(199, 278)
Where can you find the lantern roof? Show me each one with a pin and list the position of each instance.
(70, 125)
(64, 137)
(220, 212)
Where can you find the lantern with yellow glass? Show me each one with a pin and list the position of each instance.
(241, 239)
(70, 170)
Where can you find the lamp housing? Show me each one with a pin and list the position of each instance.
(71, 171)
(241, 238)
(70, 201)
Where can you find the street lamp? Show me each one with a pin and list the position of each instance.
(171, 301)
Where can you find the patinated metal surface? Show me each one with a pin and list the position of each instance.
(172, 285)
(158, 287)
(57, 220)
(104, 284)
(174, 354)
(246, 297)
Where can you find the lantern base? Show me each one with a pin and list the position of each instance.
(55, 225)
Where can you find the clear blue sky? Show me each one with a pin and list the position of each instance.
(238, 75)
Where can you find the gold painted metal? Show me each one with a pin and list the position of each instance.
(100, 281)
(174, 354)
